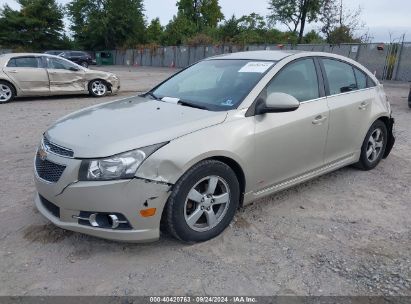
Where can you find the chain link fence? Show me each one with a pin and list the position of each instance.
(402, 69)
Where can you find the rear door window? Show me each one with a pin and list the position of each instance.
(340, 76)
(24, 62)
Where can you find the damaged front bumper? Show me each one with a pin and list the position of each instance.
(106, 209)
(115, 86)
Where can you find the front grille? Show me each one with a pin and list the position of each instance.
(57, 149)
(48, 171)
(53, 209)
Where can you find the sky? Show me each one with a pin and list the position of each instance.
(381, 17)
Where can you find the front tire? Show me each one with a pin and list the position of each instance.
(97, 88)
(84, 64)
(203, 202)
(373, 147)
(7, 92)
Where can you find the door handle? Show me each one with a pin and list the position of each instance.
(13, 71)
(363, 105)
(319, 120)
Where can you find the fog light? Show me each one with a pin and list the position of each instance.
(103, 220)
(148, 212)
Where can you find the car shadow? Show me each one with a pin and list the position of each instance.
(54, 97)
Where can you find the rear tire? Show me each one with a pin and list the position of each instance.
(203, 202)
(7, 92)
(373, 147)
(97, 88)
(84, 64)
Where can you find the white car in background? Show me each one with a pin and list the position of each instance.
(30, 74)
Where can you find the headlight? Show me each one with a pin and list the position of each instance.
(120, 166)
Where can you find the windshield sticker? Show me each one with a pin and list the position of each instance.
(227, 103)
(256, 67)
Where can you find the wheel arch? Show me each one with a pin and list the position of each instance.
(237, 169)
(389, 122)
(179, 172)
(108, 84)
(101, 79)
(385, 120)
(11, 84)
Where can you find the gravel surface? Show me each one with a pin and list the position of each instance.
(346, 233)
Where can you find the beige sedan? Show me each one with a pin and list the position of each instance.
(32, 74)
(216, 136)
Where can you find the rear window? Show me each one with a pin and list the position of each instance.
(24, 62)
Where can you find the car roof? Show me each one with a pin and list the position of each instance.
(259, 55)
(4, 58)
(276, 55)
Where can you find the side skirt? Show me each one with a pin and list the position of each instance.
(342, 162)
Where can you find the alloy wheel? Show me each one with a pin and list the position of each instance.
(5, 93)
(98, 88)
(207, 203)
(375, 145)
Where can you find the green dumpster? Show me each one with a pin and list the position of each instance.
(104, 58)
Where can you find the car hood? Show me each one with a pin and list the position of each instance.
(127, 124)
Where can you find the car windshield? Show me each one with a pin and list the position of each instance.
(216, 85)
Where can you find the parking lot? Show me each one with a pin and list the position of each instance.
(345, 233)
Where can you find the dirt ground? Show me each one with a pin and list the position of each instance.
(346, 233)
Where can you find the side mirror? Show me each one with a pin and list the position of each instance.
(277, 103)
(74, 69)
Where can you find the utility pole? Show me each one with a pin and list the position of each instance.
(341, 12)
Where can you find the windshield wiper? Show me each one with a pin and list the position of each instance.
(191, 104)
(151, 94)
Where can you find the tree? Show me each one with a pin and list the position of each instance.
(107, 24)
(203, 13)
(329, 17)
(341, 34)
(38, 25)
(340, 24)
(252, 29)
(211, 13)
(179, 29)
(294, 13)
(313, 37)
(155, 32)
(229, 29)
(252, 22)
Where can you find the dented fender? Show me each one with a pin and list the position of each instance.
(62, 81)
(170, 162)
